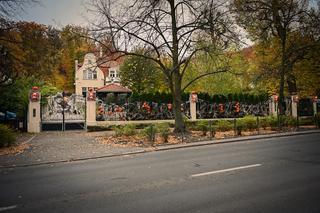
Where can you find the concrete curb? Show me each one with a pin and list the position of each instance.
(170, 147)
(236, 139)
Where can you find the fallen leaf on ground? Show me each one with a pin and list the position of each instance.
(14, 149)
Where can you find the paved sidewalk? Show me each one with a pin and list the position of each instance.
(52, 147)
(55, 147)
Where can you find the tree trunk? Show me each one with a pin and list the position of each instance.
(281, 31)
(177, 101)
(292, 85)
(176, 80)
(291, 80)
(282, 75)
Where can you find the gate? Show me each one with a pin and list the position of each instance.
(62, 112)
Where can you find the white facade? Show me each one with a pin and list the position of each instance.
(94, 74)
(88, 75)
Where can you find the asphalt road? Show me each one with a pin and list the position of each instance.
(268, 175)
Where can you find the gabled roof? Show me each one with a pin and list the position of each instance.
(107, 61)
(114, 88)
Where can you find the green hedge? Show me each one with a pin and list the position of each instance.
(164, 130)
(217, 98)
(223, 125)
(127, 130)
(249, 123)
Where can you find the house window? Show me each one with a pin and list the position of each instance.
(90, 74)
(112, 74)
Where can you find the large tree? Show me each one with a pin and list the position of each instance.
(282, 21)
(140, 75)
(172, 32)
(74, 46)
(11, 52)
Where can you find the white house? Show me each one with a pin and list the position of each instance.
(96, 73)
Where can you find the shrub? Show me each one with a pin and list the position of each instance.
(223, 125)
(191, 125)
(289, 121)
(240, 126)
(272, 121)
(118, 130)
(164, 131)
(211, 129)
(203, 127)
(7, 137)
(129, 129)
(249, 122)
(264, 122)
(150, 132)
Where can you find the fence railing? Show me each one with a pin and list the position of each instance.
(164, 111)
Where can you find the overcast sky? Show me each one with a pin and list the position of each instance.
(57, 13)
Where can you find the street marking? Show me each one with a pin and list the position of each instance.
(7, 208)
(226, 170)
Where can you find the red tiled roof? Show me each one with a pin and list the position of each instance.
(113, 88)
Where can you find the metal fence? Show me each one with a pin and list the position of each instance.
(164, 111)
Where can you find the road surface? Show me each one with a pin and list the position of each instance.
(266, 175)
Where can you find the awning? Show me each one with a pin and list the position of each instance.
(113, 88)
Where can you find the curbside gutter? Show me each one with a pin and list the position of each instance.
(170, 147)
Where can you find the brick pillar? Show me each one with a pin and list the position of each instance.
(91, 108)
(294, 105)
(34, 117)
(193, 105)
(273, 105)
